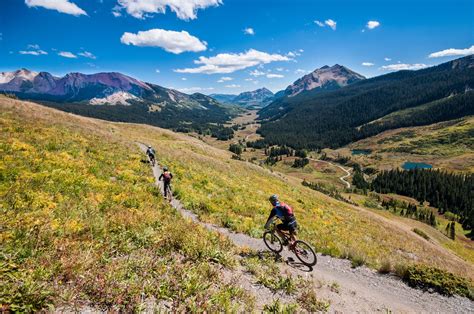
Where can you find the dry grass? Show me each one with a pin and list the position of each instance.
(81, 223)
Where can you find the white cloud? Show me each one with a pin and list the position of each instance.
(249, 31)
(63, 6)
(184, 79)
(116, 11)
(372, 24)
(300, 71)
(387, 59)
(272, 75)
(279, 69)
(33, 52)
(87, 54)
(232, 86)
(332, 24)
(249, 79)
(300, 50)
(257, 73)
(452, 52)
(404, 66)
(195, 89)
(319, 23)
(224, 79)
(171, 41)
(231, 62)
(184, 9)
(157, 70)
(67, 54)
(34, 46)
(367, 64)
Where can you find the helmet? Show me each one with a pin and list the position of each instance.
(149, 146)
(273, 199)
(165, 168)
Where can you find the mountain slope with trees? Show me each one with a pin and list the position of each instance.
(334, 118)
(118, 97)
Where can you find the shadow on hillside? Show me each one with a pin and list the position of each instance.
(278, 258)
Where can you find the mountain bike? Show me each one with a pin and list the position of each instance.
(303, 251)
(152, 160)
(168, 193)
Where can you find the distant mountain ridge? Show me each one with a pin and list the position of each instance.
(118, 97)
(324, 78)
(258, 98)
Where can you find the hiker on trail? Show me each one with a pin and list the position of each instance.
(166, 176)
(150, 152)
(285, 213)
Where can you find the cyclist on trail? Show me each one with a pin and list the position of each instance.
(150, 152)
(166, 176)
(285, 213)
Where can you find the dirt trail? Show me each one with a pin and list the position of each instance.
(361, 289)
(343, 178)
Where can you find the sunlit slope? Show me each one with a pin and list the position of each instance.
(82, 224)
(447, 145)
(234, 194)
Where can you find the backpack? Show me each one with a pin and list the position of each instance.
(287, 210)
(167, 176)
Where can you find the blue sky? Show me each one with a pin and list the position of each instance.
(286, 40)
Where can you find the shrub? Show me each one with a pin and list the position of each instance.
(385, 267)
(421, 233)
(427, 277)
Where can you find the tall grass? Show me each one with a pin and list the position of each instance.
(81, 223)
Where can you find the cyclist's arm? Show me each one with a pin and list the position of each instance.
(161, 177)
(270, 218)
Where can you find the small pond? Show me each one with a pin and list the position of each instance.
(416, 165)
(361, 152)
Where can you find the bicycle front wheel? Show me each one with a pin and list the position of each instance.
(305, 253)
(272, 241)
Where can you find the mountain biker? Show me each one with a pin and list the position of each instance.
(166, 176)
(285, 213)
(150, 153)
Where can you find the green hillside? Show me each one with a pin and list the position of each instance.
(332, 119)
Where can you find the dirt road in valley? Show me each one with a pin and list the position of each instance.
(360, 289)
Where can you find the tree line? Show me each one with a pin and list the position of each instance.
(449, 192)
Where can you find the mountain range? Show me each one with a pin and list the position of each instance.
(251, 100)
(118, 97)
(322, 79)
(333, 118)
(325, 78)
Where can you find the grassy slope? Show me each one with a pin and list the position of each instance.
(81, 222)
(234, 194)
(221, 190)
(448, 145)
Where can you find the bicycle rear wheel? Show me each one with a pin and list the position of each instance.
(169, 194)
(272, 241)
(305, 253)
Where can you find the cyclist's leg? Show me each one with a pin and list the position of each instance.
(292, 228)
(280, 228)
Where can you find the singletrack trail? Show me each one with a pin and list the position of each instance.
(360, 289)
(344, 177)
